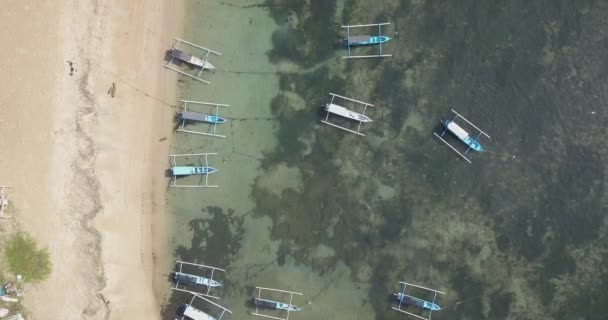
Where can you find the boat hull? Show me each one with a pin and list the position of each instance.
(462, 135)
(193, 313)
(274, 305)
(417, 302)
(190, 59)
(187, 171)
(194, 280)
(365, 40)
(343, 112)
(214, 119)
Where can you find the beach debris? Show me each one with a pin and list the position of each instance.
(184, 171)
(72, 68)
(17, 316)
(365, 41)
(346, 113)
(8, 299)
(4, 203)
(3, 312)
(275, 305)
(213, 119)
(190, 59)
(162, 139)
(406, 300)
(188, 281)
(462, 135)
(112, 90)
(188, 311)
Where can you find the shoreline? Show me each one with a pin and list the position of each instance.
(87, 167)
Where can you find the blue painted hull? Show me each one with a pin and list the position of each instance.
(368, 42)
(214, 119)
(188, 171)
(417, 302)
(472, 143)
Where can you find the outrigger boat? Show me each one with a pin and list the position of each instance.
(417, 302)
(187, 171)
(199, 62)
(274, 305)
(195, 280)
(188, 58)
(330, 107)
(186, 310)
(341, 111)
(409, 300)
(213, 118)
(462, 135)
(201, 117)
(366, 40)
(183, 171)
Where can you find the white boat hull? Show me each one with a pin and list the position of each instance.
(343, 112)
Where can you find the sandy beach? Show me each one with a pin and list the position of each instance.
(86, 162)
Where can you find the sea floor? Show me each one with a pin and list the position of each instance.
(517, 234)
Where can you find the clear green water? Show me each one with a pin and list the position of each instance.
(519, 234)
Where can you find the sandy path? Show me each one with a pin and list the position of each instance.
(88, 168)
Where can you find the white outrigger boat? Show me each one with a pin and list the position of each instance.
(187, 311)
(335, 109)
(198, 63)
(341, 111)
(188, 58)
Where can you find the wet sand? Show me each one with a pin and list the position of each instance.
(88, 167)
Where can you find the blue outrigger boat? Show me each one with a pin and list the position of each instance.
(471, 142)
(365, 40)
(461, 134)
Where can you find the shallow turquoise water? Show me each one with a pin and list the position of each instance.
(520, 233)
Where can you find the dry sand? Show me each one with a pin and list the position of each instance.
(88, 168)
